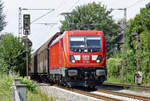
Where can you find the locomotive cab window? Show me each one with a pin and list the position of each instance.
(80, 43)
(93, 42)
(77, 42)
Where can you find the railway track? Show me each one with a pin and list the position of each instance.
(125, 95)
(107, 92)
(126, 86)
(90, 94)
(102, 97)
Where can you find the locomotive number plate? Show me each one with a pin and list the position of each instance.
(86, 57)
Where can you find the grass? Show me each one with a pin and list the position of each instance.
(120, 81)
(5, 91)
(113, 80)
(38, 96)
(5, 87)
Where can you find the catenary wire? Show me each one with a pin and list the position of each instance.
(134, 4)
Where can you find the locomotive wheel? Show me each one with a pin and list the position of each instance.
(92, 87)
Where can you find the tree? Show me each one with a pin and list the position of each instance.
(12, 54)
(2, 17)
(94, 17)
(135, 52)
(140, 25)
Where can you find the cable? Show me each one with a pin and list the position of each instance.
(60, 4)
(71, 6)
(74, 4)
(47, 23)
(42, 16)
(48, 12)
(132, 5)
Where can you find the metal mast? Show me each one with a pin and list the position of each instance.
(20, 23)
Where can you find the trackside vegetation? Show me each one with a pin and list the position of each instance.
(135, 53)
(12, 57)
(2, 16)
(12, 54)
(33, 92)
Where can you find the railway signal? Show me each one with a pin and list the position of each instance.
(26, 29)
(26, 22)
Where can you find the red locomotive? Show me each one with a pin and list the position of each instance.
(74, 58)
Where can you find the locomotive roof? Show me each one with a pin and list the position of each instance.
(51, 39)
(85, 32)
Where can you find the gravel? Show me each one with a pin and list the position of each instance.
(115, 96)
(141, 93)
(65, 95)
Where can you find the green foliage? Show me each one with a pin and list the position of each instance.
(5, 87)
(140, 25)
(2, 17)
(33, 94)
(114, 67)
(121, 67)
(136, 53)
(30, 85)
(93, 17)
(38, 96)
(12, 54)
(145, 56)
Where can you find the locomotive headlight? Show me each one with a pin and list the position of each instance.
(72, 72)
(98, 61)
(72, 59)
(99, 58)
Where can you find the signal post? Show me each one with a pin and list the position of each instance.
(26, 32)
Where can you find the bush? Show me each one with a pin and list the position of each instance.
(114, 67)
(12, 54)
(30, 84)
(5, 87)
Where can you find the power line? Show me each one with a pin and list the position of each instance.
(47, 23)
(74, 4)
(42, 16)
(71, 6)
(60, 5)
(134, 4)
(34, 9)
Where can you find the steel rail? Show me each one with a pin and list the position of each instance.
(127, 86)
(125, 95)
(89, 94)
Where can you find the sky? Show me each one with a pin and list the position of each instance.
(40, 33)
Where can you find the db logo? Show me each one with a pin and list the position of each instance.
(85, 57)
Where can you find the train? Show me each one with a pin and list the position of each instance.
(73, 58)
